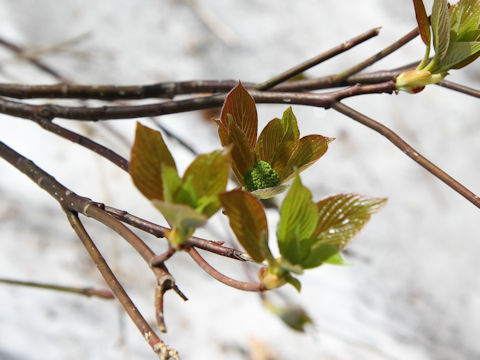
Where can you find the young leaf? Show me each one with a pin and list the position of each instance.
(298, 220)
(270, 192)
(423, 22)
(309, 149)
(241, 106)
(247, 220)
(171, 182)
(209, 173)
(293, 316)
(318, 254)
(148, 154)
(464, 17)
(342, 216)
(458, 54)
(182, 218)
(243, 155)
(440, 20)
(278, 139)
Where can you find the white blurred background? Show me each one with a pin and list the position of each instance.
(413, 289)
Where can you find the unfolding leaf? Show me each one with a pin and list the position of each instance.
(148, 154)
(243, 155)
(247, 220)
(242, 108)
(440, 21)
(464, 18)
(298, 220)
(209, 173)
(337, 259)
(171, 182)
(181, 217)
(318, 254)
(309, 149)
(342, 216)
(458, 54)
(422, 20)
(278, 140)
(294, 282)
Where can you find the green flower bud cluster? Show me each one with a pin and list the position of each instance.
(261, 176)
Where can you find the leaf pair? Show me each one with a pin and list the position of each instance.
(456, 40)
(262, 165)
(187, 202)
(308, 233)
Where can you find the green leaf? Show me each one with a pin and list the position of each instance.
(337, 259)
(148, 154)
(186, 194)
(440, 21)
(458, 54)
(298, 220)
(309, 149)
(422, 20)
(342, 216)
(294, 282)
(171, 182)
(318, 254)
(293, 316)
(243, 155)
(208, 173)
(182, 218)
(464, 18)
(278, 140)
(247, 220)
(241, 106)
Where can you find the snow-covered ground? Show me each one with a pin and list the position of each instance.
(413, 291)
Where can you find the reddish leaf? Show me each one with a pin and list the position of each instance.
(243, 155)
(148, 154)
(247, 220)
(309, 149)
(422, 20)
(241, 106)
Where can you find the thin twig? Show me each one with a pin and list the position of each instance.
(88, 291)
(298, 69)
(245, 286)
(158, 346)
(460, 88)
(409, 151)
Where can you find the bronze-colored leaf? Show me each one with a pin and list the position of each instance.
(422, 20)
(278, 140)
(243, 155)
(247, 220)
(309, 149)
(342, 216)
(241, 106)
(148, 154)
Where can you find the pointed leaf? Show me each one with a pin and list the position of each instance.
(180, 216)
(440, 21)
(243, 155)
(171, 183)
(247, 220)
(294, 282)
(342, 216)
(242, 108)
(298, 219)
(422, 20)
(337, 259)
(148, 154)
(318, 255)
(278, 140)
(209, 173)
(309, 149)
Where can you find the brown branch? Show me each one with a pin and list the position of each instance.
(241, 285)
(158, 346)
(88, 291)
(409, 151)
(48, 111)
(298, 69)
(460, 88)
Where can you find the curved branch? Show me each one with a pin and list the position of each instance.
(241, 285)
(409, 151)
